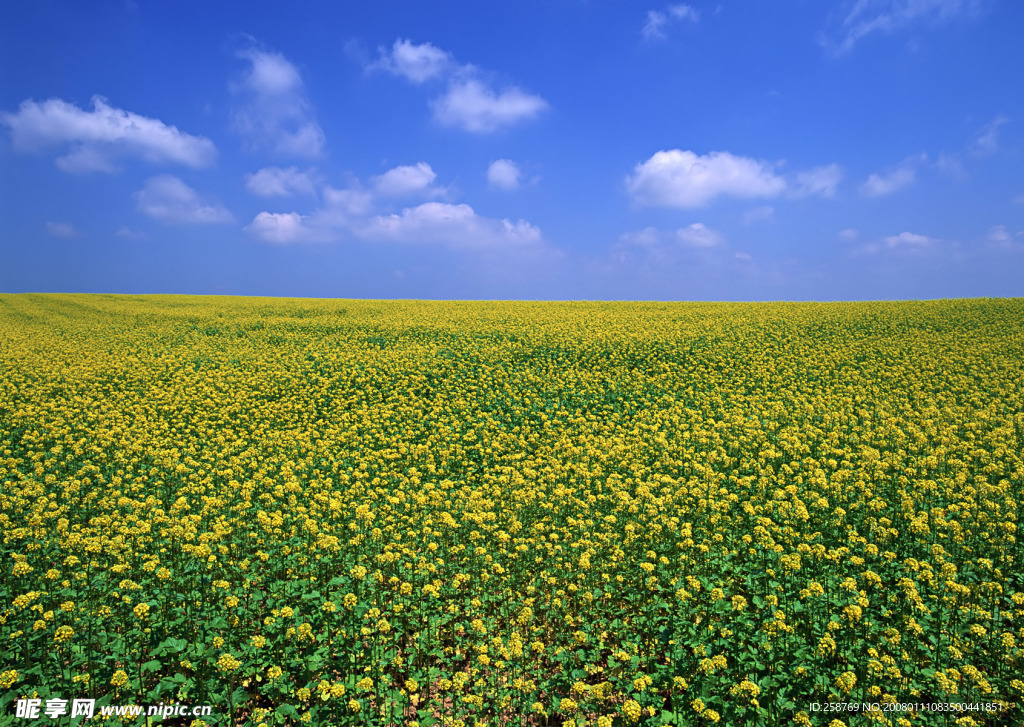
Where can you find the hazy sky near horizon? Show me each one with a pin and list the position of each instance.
(555, 149)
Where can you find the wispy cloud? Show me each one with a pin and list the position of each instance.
(168, 199)
(280, 182)
(857, 19)
(903, 243)
(274, 113)
(456, 225)
(903, 175)
(819, 181)
(764, 213)
(987, 142)
(999, 234)
(693, 236)
(909, 239)
(127, 233)
(658, 21)
(63, 230)
(100, 138)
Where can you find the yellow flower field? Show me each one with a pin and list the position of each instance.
(341, 512)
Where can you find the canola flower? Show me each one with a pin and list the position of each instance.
(518, 513)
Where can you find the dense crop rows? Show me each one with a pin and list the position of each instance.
(364, 512)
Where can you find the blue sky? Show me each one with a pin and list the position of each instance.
(557, 149)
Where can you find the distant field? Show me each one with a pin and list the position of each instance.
(342, 512)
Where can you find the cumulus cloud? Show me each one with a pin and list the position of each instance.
(100, 137)
(168, 199)
(860, 18)
(415, 63)
(64, 230)
(848, 234)
(504, 174)
(362, 212)
(659, 20)
(469, 103)
(679, 178)
(407, 181)
(456, 225)
(903, 175)
(280, 182)
(819, 181)
(281, 228)
(473, 106)
(274, 112)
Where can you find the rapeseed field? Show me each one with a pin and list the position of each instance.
(338, 512)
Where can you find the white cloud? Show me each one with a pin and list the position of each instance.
(98, 138)
(861, 18)
(999, 234)
(679, 178)
(696, 235)
(988, 140)
(819, 181)
(647, 237)
(909, 240)
(359, 212)
(764, 213)
(659, 20)
(62, 229)
(1019, 199)
(473, 106)
(469, 102)
(281, 228)
(848, 234)
(348, 203)
(950, 165)
(504, 174)
(168, 199)
(905, 242)
(407, 181)
(456, 225)
(880, 184)
(275, 113)
(416, 63)
(129, 234)
(280, 182)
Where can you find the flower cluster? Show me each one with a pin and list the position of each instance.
(507, 512)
